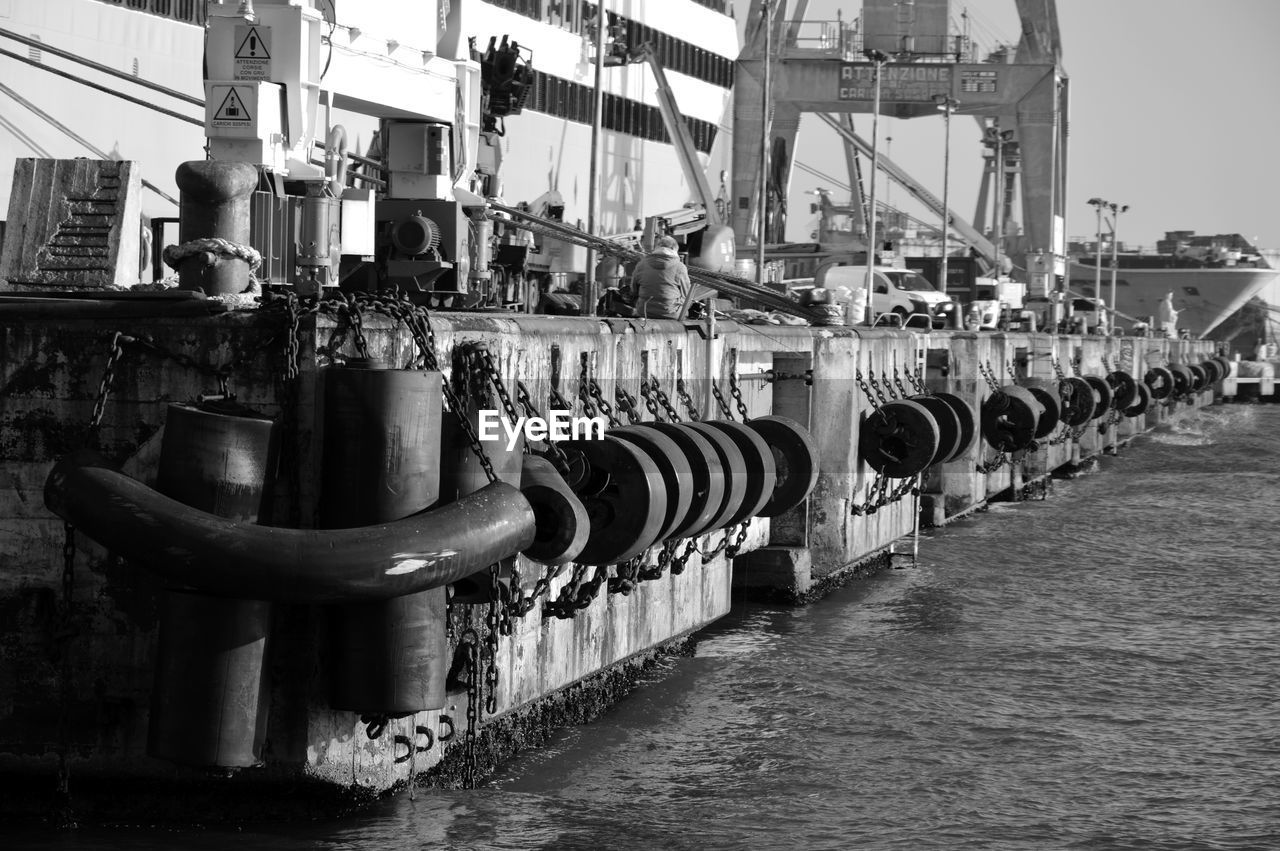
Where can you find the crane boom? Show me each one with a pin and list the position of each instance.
(681, 138)
(985, 248)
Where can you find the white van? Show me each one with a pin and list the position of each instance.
(901, 292)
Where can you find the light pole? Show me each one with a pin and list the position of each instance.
(766, 108)
(878, 57)
(1116, 210)
(1001, 137)
(1098, 204)
(946, 103)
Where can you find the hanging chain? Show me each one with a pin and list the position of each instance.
(627, 578)
(480, 352)
(1057, 367)
(494, 627)
(989, 375)
(883, 394)
(687, 400)
(735, 390)
(994, 464)
(866, 389)
(628, 404)
(577, 594)
(897, 383)
(471, 639)
(1013, 375)
(680, 562)
(520, 603)
(880, 495)
(554, 453)
(735, 546)
(651, 400)
(723, 403)
(584, 389)
(665, 401)
(916, 378)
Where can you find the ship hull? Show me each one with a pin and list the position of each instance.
(1203, 297)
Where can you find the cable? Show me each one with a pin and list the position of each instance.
(196, 121)
(21, 136)
(58, 125)
(105, 69)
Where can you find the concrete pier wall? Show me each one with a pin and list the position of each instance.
(51, 375)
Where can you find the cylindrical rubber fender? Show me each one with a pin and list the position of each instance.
(625, 497)
(460, 470)
(1159, 381)
(561, 524)
(235, 558)
(899, 439)
(968, 419)
(1046, 393)
(795, 457)
(1124, 389)
(706, 471)
(381, 456)
(382, 463)
(1143, 402)
(734, 467)
(1078, 401)
(948, 426)
(762, 472)
(1103, 396)
(1182, 378)
(1009, 418)
(211, 695)
(675, 470)
(1212, 371)
(1199, 378)
(1225, 363)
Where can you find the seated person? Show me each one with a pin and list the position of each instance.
(661, 282)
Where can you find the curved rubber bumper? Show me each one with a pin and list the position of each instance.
(225, 557)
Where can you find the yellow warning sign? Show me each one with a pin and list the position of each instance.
(234, 109)
(253, 52)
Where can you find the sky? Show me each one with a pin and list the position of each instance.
(1175, 111)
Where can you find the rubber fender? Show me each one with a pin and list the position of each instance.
(1212, 372)
(734, 467)
(1182, 378)
(899, 439)
(1105, 399)
(238, 559)
(706, 471)
(795, 458)
(1225, 363)
(209, 704)
(460, 470)
(1009, 418)
(1143, 402)
(948, 426)
(968, 422)
(762, 472)
(381, 454)
(561, 524)
(676, 474)
(1124, 389)
(1046, 393)
(625, 497)
(1159, 381)
(1199, 378)
(211, 698)
(1078, 401)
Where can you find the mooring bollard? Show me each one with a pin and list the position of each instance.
(214, 255)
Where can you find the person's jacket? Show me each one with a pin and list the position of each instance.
(662, 284)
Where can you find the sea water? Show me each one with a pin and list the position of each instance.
(1098, 670)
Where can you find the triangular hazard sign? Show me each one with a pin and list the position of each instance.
(252, 47)
(232, 109)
